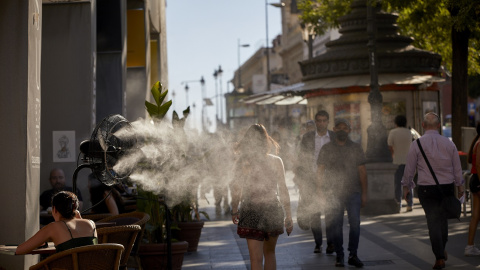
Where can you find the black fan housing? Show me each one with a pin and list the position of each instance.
(112, 139)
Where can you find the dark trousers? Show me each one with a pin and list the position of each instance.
(334, 219)
(316, 225)
(431, 198)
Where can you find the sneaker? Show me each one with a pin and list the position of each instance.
(318, 249)
(330, 249)
(409, 209)
(472, 251)
(354, 260)
(339, 261)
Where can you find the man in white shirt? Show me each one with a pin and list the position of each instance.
(306, 173)
(399, 140)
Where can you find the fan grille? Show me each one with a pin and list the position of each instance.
(111, 140)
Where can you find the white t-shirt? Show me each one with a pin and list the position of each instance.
(400, 139)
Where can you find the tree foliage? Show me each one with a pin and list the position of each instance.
(429, 22)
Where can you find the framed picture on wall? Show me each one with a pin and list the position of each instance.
(429, 106)
(64, 146)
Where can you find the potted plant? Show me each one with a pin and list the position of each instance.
(187, 222)
(153, 250)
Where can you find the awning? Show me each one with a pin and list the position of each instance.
(293, 94)
(364, 80)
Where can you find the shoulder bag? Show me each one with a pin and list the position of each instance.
(450, 204)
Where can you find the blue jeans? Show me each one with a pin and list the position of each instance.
(334, 218)
(316, 225)
(399, 188)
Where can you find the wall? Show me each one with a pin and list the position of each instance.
(68, 68)
(20, 59)
(111, 57)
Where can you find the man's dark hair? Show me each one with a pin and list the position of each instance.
(401, 121)
(322, 113)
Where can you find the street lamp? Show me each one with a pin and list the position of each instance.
(202, 82)
(215, 75)
(173, 98)
(377, 147)
(279, 5)
(308, 34)
(219, 74)
(239, 85)
(186, 93)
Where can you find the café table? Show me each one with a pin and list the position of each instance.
(10, 249)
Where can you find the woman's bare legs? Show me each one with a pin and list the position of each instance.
(255, 249)
(475, 218)
(269, 253)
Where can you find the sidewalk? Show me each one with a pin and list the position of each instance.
(391, 242)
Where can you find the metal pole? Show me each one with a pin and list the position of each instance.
(186, 94)
(310, 46)
(239, 69)
(220, 71)
(268, 52)
(377, 147)
(215, 74)
(202, 82)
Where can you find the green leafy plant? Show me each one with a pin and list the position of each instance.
(159, 110)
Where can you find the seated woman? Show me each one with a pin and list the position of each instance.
(112, 204)
(68, 230)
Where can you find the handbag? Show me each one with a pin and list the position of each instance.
(450, 204)
(303, 217)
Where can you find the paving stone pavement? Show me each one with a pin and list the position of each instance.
(390, 242)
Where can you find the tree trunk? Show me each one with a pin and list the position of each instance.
(459, 84)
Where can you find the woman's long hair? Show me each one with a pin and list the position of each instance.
(256, 141)
(66, 203)
(470, 151)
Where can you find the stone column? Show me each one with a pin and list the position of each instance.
(20, 55)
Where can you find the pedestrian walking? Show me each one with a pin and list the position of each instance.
(342, 177)
(306, 176)
(474, 185)
(259, 179)
(443, 157)
(399, 140)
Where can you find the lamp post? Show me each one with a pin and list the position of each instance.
(280, 5)
(202, 82)
(186, 94)
(239, 87)
(308, 34)
(173, 98)
(377, 147)
(219, 74)
(215, 75)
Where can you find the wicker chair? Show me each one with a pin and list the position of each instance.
(96, 217)
(92, 257)
(131, 218)
(124, 235)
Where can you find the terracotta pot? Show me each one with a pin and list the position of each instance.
(190, 232)
(154, 256)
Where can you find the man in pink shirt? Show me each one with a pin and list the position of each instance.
(444, 159)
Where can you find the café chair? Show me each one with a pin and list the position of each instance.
(96, 217)
(124, 235)
(131, 218)
(98, 257)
